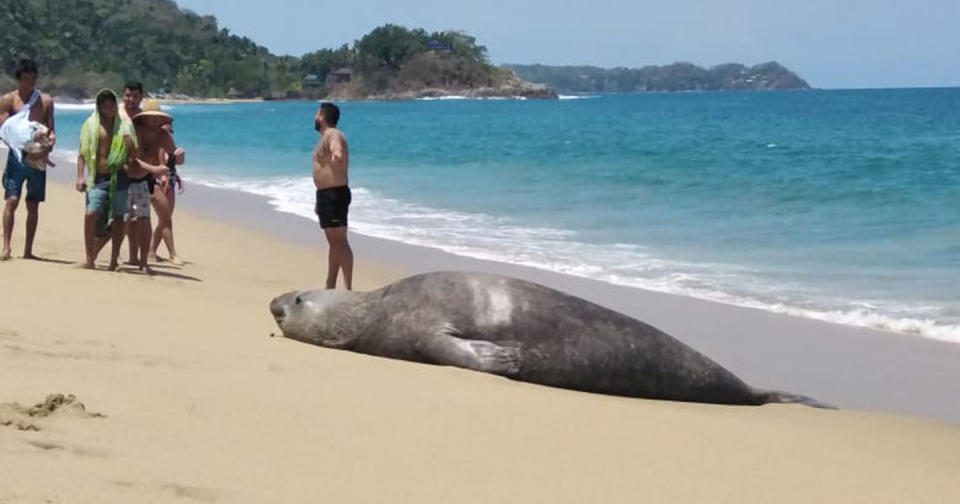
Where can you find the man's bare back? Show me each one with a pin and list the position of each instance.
(331, 159)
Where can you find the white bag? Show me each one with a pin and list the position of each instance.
(4, 152)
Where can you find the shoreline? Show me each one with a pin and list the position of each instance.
(851, 366)
(168, 101)
(898, 373)
(906, 326)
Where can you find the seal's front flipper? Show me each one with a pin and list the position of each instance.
(447, 349)
(777, 396)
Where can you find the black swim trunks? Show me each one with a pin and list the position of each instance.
(332, 205)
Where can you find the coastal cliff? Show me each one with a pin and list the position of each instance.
(396, 63)
(432, 75)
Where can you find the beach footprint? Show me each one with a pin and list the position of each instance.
(176, 490)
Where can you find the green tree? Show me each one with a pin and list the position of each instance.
(462, 45)
(389, 47)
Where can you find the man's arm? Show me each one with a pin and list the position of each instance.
(81, 182)
(155, 170)
(49, 122)
(170, 145)
(337, 149)
(6, 106)
(132, 152)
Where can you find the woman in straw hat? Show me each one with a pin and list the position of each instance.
(157, 146)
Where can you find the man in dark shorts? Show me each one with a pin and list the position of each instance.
(331, 159)
(24, 104)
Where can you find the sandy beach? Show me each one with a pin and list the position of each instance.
(188, 397)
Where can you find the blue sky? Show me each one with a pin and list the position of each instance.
(832, 44)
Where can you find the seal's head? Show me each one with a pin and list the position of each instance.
(312, 317)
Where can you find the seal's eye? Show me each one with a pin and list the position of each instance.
(297, 301)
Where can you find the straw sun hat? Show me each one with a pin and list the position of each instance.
(151, 108)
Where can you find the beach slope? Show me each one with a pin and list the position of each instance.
(187, 397)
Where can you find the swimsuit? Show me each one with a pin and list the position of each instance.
(174, 177)
(138, 200)
(99, 202)
(332, 206)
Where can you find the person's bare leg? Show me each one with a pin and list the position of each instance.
(89, 240)
(9, 210)
(156, 237)
(33, 217)
(162, 207)
(164, 234)
(101, 242)
(154, 231)
(168, 233)
(132, 231)
(340, 257)
(346, 261)
(133, 240)
(333, 259)
(143, 244)
(116, 232)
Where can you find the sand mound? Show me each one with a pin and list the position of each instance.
(22, 418)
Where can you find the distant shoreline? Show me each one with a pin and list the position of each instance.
(170, 101)
(197, 101)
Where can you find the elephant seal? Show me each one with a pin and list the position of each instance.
(517, 329)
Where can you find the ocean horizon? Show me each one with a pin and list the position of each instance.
(841, 206)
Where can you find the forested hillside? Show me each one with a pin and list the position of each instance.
(83, 45)
(675, 77)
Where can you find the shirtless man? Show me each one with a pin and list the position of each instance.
(107, 151)
(132, 97)
(331, 159)
(40, 110)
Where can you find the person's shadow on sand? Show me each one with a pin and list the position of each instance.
(155, 272)
(46, 260)
(133, 270)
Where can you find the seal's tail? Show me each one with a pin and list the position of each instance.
(777, 396)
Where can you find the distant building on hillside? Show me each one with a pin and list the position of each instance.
(340, 76)
(312, 81)
(439, 46)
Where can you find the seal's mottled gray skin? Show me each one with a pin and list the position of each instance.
(516, 329)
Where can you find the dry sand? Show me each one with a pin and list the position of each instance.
(186, 397)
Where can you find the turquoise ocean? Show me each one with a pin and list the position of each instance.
(836, 205)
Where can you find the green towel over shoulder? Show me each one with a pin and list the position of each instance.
(116, 158)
